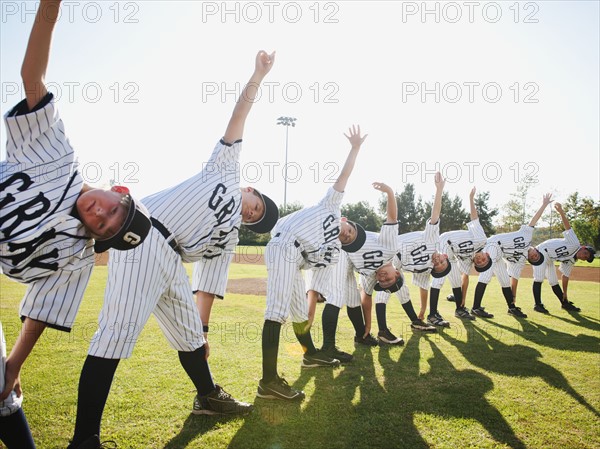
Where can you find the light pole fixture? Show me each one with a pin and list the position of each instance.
(287, 122)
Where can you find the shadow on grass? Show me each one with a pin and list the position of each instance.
(581, 320)
(483, 350)
(551, 338)
(445, 391)
(193, 426)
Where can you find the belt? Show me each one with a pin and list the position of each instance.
(168, 235)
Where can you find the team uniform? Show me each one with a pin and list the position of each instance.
(304, 240)
(414, 251)
(561, 250)
(152, 278)
(42, 243)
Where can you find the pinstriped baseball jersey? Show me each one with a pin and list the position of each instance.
(514, 246)
(498, 267)
(203, 214)
(41, 243)
(460, 246)
(562, 250)
(416, 248)
(306, 239)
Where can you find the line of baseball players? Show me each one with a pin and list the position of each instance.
(51, 225)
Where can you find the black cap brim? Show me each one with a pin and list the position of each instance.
(392, 288)
(359, 241)
(133, 232)
(441, 274)
(269, 218)
(486, 267)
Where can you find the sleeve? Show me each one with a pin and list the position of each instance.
(55, 299)
(571, 238)
(475, 227)
(332, 200)
(432, 232)
(566, 267)
(224, 160)
(36, 137)
(527, 233)
(211, 275)
(388, 237)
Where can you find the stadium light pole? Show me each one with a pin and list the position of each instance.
(287, 122)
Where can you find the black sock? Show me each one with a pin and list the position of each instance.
(434, 297)
(195, 365)
(380, 312)
(410, 311)
(356, 318)
(15, 432)
(457, 292)
(270, 348)
(558, 292)
(508, 296)
(479, 291)
(329, 320)
(94, 385)
(304, 337)
(537, 292)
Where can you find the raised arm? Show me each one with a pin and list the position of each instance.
(547, 199)
(474, 214)
(563, 216)
(356, 141)
(392, 207)
(437, 202)
(235, 129)
(37, 54)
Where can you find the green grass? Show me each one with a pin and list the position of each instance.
(495, 383)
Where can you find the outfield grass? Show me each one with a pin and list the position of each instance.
(497, 383)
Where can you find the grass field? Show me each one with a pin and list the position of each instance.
(496, 383)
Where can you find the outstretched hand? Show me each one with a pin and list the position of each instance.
(472, 194)
(264, 62)
(12, 381)
(440, 182)
(558, 207)
(354, 136)
(547, 199)
(382, 187)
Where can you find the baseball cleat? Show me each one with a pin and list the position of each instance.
(369, 340)
(278, 389)
(463, 313)
(93, 442)
(319, 359)
(480, 312)
(516, 312)
(420, 325)
(541, 308)
(451, 298)
(335, 353)
(568, 305)
(386, 337)
(219, 402)
(437, 320)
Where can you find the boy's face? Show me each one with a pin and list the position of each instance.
(101, 212)
(582, 254)
(533, 255)
(440, 262)
(387, 275)
(253, 207)
(480, 259)
(347, 232)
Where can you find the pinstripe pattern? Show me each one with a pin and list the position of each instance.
(40, 243)
(204, 214)
(460, 246)
(562, 250)
(416, 248)
(498, 267)
(306, 239)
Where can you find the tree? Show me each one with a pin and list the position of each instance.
(453, 217)
(516, 208)
(486, 215)
(364, 214)
(410, 211)
(584, 216)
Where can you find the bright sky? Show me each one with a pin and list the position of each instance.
(487, 92)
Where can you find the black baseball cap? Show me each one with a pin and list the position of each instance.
(269, 218)
(592, 251)
(135, 228)
(539, 261)
(392, 288)
(441, 274)
(359, 241)
(486, 267)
